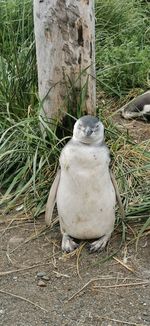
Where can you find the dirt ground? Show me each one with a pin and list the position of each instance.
(41, 286)
(139, 130)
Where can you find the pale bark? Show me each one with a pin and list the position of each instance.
(65, 47)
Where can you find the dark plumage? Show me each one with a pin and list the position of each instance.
(137, 108)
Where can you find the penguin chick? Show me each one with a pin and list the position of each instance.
(84, 192)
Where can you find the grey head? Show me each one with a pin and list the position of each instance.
(88, 130)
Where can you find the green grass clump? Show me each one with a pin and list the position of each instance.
(123, 41)
(28, 161)
(18, 75)
(131, 165)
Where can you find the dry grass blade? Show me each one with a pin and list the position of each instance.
(119, 321)
(124, 265)
(83, 287)
(29, 267)
(18, 270)
(7, 227)
(143, 229)
(60, 274)
(106, 278)
(121, 285)
(78, 256)
(24, 299)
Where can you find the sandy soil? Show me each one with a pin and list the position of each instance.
(115, 294)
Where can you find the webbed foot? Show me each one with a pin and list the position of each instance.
(99, 244)
(68, 244)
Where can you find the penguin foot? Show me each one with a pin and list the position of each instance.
(99, 244)
(68, 244)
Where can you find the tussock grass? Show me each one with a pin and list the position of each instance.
(18, 76)
(131, 164)
(123, 40)
(28, 161)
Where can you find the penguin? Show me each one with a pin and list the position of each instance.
(84, 189)
(138, 108)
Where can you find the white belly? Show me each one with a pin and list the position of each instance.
(85, 196)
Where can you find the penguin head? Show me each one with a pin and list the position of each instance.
(89, 130)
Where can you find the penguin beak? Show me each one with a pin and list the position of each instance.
(88, 131)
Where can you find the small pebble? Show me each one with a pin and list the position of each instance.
(41, 274)
(45, 278)
(41, 283)
(15, 278)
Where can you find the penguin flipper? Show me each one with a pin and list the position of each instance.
(52, 199)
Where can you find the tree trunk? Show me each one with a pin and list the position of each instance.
(65, 49)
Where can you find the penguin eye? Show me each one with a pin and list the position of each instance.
(97, 126)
